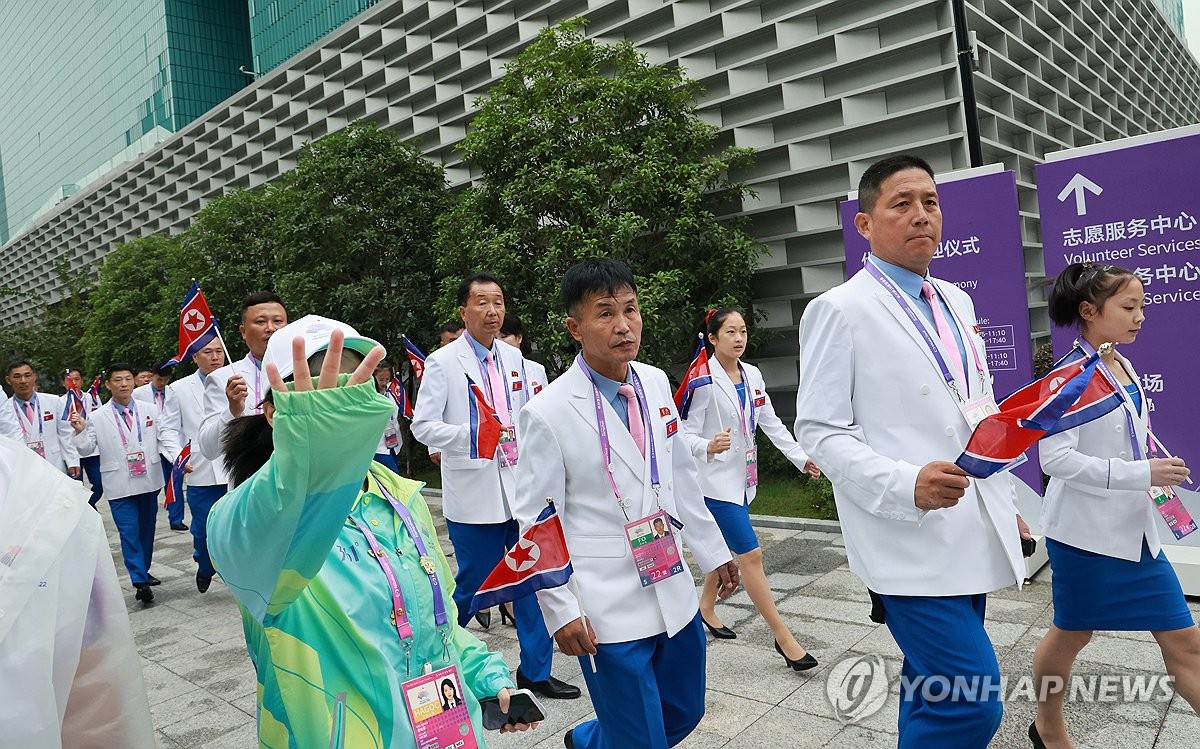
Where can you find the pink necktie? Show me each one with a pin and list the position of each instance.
(29, 411)
(158, 398)
(129, 419)
(637, 429)
(944, 332)
(496, 386)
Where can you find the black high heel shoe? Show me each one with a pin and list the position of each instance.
(803, 664)
(721, 633)
(506, 617)
(484, 618)
(1036, 737)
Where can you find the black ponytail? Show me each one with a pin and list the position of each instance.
(1084, 282)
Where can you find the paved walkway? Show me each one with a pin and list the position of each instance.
(202, 688)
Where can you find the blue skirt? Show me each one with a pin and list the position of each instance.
(1098, 592)
(734, 522)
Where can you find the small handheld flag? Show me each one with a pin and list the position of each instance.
(176, 471)
(396, 390)
(697, 375)
(485, 423)
(74, 404)
(197, 326)
(1072, 393)
(539, 560)
(415, 358)
(94, 390)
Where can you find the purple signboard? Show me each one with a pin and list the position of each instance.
(981, 253)
(1136, 203)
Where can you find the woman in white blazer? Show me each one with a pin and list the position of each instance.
(1099, 517)
(720, 426)
(512, 332)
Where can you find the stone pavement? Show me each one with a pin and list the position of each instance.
(202, 688)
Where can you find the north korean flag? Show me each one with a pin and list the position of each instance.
(697, 375)
(176, 471)
(538, 560)
(197, 326)
(415, 358)
(74, 404)
(485, 423)
(396, 389)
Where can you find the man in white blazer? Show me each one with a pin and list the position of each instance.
(72, 676)
(478, 493)
(130, 435)
(237, 389)
(892, 373)
(646, 637)
(89, 462)
(39, 421)
(159, 393)
(208, 481)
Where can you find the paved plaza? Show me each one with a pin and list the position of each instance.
(201, 683)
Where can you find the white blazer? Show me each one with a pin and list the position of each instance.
(1096, 499)
(564, 461)
(47, 426)
(171, 416)
(216, 404)
(535, 375)
(72, 676)
(188, 395)
(715, 407)
(873, 409)
(90, 404)
(474, 490)
(393, 427)
(157, 439)
(8, 420)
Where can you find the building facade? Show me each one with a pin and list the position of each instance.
(281, 28)
(819, 88)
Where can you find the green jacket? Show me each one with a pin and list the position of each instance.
(315, 605)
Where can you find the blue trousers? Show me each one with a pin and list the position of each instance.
(135, 517)
(647, 693)
(388, 460)
(943, 638)
(479, 547)
(91, 469)
(175, 509)
(201, 499)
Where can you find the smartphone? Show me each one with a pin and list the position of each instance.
(1028, 546)
(522, 708)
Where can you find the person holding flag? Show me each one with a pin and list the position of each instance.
(1110, 481)
(463, 382)
(89, 462)
(388, 449)
(603, 440)
(159, 394)
(720, 428)
(345, 595)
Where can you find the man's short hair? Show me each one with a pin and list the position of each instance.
(139, 370)
(255, 298)
(592, 276)
(464, 288)
(119, 367)
(451, 327)
(16, 364)
(163, 369)
(871, 184)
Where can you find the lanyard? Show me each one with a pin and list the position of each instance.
(1126, 400)
(499, 362)
(923, 329)
(257, 408)
(749, 402)
(605, 445)
(399, 613)
(121, 425)
(37, 416)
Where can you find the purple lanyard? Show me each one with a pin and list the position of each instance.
(749, 401)
(400, 615)
(257, 408)
(121, 427)
(484, 374)
(1126, 401)
(37, 416)
(923, 329)
(606, 447)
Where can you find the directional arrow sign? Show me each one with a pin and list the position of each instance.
(1077, 185)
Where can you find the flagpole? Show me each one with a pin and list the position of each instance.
(1166, 452)
(582, 617)
(720, 419)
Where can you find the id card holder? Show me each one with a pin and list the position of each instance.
(437, 710)
(655, 550)
(751, 467)
(1176, 516)
(391, 440)
(508, 445)
(978, 409)
(136, 463)
(37, 446)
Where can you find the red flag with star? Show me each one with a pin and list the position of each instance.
(538, 560)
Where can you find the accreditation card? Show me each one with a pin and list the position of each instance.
(655, 550)
(438, 711)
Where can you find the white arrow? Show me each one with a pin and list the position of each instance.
(1077, 185)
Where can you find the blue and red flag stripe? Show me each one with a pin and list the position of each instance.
(415, 358)
(197, 326)
(697, 375)
(396, 390)
(176, 471)
(539, 560)
(73, 404)
(485, 423)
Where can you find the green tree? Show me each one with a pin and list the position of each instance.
(588, 150)
(357, 233)
(50, 340)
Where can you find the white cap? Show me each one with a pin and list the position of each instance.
(316, 331)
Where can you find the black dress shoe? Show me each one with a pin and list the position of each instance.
(144, 594)
(803, 664)
(551, 688)
(484, 618)
(178, 527)
(1036, 737)
(202, 582)
(568, 740)
(721, 633)
(506, 617)
(152, 580)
